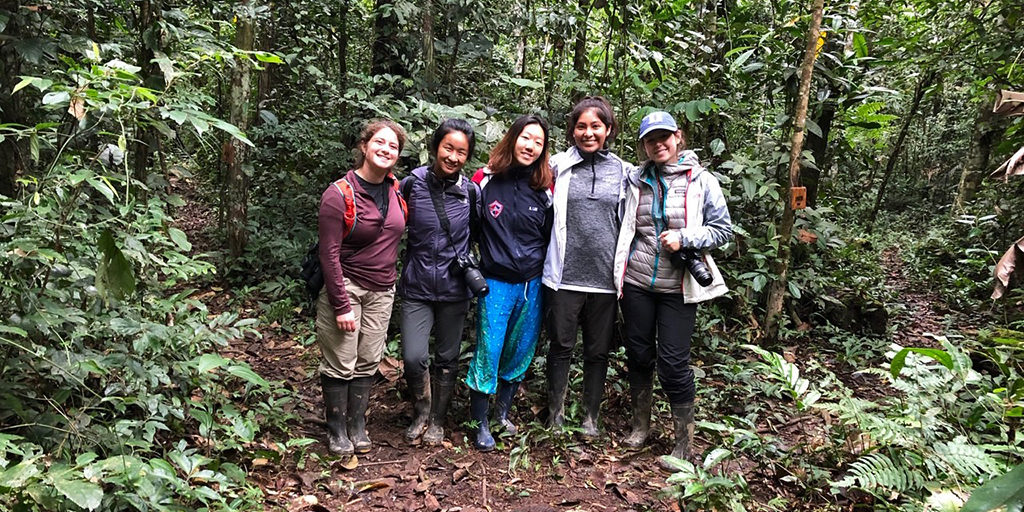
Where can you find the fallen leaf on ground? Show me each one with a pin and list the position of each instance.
(459, 474)
(431, 503)
(349, 462)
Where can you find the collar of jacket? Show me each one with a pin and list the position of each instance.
(566, 160)
(452, 186)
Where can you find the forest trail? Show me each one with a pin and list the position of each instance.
(919, 309)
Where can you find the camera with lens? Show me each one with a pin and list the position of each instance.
(470, 271)
(692, 260)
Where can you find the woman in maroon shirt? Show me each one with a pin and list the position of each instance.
(358, 257)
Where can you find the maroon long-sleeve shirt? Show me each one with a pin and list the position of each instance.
(370, 253)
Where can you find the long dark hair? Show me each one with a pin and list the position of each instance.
(503, 156)
(604, 113)
(452, 125)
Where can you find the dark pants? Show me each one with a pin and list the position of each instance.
(659, 327)
(566, 310)
(418, 317)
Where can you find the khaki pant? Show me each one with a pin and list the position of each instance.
(347, 355)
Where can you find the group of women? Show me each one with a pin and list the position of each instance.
(563, 241)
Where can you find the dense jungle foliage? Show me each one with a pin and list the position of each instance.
(152, 151)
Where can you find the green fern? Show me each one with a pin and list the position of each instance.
(878, 472)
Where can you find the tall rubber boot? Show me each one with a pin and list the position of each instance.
(419, 388)
(641, 394)
(483, 441)
(558, 385)
(358, 398)
(682, 418)
(336, 410)
(443, 388)
(593, 392)
(503, 402)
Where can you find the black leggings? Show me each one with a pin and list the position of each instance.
(659, 327)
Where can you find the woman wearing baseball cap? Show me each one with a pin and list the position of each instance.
(675, 213)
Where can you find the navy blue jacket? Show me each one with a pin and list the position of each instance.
(515, 226)
(429, 269)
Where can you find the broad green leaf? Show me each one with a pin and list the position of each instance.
(246, 373)
(85, 494)
(860, 45)
(208, 362)
(899, 361)
(102, 187)
(1003, 491)
(16, 476)
(717, 455)
(114, 275)
(717, 147)
(52, 98)
(692, 111)
(13, 330)
(523, 82)
(23, 83)
(180, 239)
(267, 57)
(813, 127)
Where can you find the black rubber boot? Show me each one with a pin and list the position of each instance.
(335, 410)
(503, 402)
(484, 441)
(593, 392)
(641, 394)
(419, 388)
(358, 398)
(443, 388)
(682, 418)
(558, 385)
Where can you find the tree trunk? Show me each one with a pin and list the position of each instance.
(386, 59)
(14, 160)
(983, 137)
(811, 177)
(429, 63)
(580, 59)
(236, 152)
(450, 70)
(145, 138)
(922, 85)
(268, 43)
(777, 289)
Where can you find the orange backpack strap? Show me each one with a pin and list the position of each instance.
(351, 216)
(398, 193)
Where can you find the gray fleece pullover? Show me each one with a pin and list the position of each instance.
(592, 222)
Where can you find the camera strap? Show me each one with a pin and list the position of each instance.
(442, 215)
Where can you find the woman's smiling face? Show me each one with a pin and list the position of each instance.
(381, 152)
(529, 145)
(662, 146)
(452, 153)
(590, 132)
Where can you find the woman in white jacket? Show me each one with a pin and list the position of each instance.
(675, 213)
(591, 184)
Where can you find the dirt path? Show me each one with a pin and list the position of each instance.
(923, 310)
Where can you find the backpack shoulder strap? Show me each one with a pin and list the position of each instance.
(401, 200)
(351, 215)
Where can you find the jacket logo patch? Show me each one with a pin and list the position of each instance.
(534, 209)
(495, 208)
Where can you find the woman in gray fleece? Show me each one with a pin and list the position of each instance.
(591, 184)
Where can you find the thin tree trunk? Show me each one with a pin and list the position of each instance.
(922, 85)
(983, 137)
(149, 16)
(13, 151)
(777, 289)
(429, 63)
(819, 148)
(450, 71)
(580, 59)
(236, 152)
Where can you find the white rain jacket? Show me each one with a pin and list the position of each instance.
(561, 167)
(694, 208)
